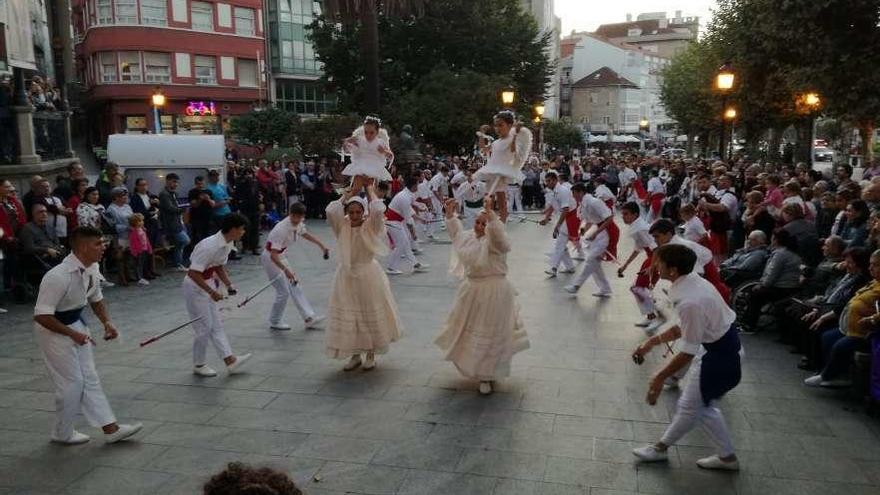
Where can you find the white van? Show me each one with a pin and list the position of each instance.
(152, 157)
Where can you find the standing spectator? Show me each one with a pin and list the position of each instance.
(104, 182)
(309, 183)
(201, 210)
(169, 218)
(118, 214)
(90, 211)
(32, 196)
(222, 199)
(292, 185)
(266, 178)
(247, 197)
(57, 211)
(843, 177)
(147, 204)
(141, 249)
(12, 218)
(78, 189)
(64, 183)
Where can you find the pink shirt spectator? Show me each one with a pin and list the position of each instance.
(139, 242)
(773, 200)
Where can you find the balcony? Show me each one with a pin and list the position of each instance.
(51, 135)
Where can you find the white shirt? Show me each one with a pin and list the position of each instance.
(626, 176)
(70, 285)
(703, 316)
(458, 178)
(59, 221)
(694, 229)
(638, 232)
(402, 204)
(471, 191)
(704, 255)
(593, 210)
(728, 199)
(424, 190)
(284, 233)
(655, 186)
(439, 183)
(603, 193)
(559, 198)
(210, 252)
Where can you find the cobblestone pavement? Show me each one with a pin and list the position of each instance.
(564, 423)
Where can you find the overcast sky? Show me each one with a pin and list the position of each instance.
(587, 15)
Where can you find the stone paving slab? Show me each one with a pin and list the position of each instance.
(563, 424)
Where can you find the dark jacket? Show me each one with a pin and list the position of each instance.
(169, 212)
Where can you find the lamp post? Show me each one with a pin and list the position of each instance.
(730, 114)
(539, 120)
(810, 103)
(644, 126)
(508, 95)
(158, 101)
(724, 82)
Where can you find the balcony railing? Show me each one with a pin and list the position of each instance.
(50, 134)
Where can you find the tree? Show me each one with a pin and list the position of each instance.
(272, 126)
(323, 137)
(686, 91)
(364, 15)
(491, 37)
(562, 135)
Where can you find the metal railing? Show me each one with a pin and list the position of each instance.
(50, 134)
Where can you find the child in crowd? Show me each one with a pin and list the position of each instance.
(141, 249)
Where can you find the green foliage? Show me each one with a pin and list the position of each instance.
(490, 37)
(686, 90)
(272, 154)
(271, 126)
(323, 137)
(562, 135)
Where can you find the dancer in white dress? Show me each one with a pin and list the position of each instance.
(484, 329)
(507, 154)
(362, 314)
(369, 150)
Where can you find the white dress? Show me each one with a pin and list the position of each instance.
(361, 314)
(484, 329)
(504, 165)
(366, 158)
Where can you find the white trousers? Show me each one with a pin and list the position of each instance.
(210, 327)
(593, 263)
(514, 198)
(690, 410)
(560, 255)
(284, 289)
(644, 299)
(470, 216)
(402, 248)
(77, 386)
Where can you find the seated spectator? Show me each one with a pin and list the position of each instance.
(816, 279)
(855, 233)
(746, 264)
(873, 242)
(238, 479)
(77, 189)
(755, 217)
(792, 194)
(826, 214)
(780, 279)
(871, 195)
(803, 231)
(858, 318)
(40, 241)
(842, 198)
(118, 214)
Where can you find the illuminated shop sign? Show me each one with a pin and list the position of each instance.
(201, 108)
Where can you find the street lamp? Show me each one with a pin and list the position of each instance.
(810, 103)
(507, 96)
(643, 129)
(539, 119)
(724, 82)
(158, 101)
(730, 114)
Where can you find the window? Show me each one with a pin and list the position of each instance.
(304, 97)
(244, 21)
(130, 67)
(108, 67)
(606, 119)
(105, 11)
(126, 12)
(206, 70)
(154, 12)
(157, 67)
(202, 16)
(247, 73)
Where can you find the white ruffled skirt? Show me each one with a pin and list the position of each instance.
(503, 174)
(484, 329)
(362, 315)
(371, 167)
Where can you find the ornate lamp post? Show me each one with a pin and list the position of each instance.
(809, 104)
(508, 95)
(644, 127)
(730, 115)
(724, 82)
(539, 119)
(158, 101)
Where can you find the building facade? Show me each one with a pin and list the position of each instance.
(654, 32)
(294, 70)
(205, 57)
(605, 102)
(548, 22)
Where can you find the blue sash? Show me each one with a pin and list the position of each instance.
(71, 316)
(720, 371)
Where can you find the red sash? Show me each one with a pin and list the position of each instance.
(613, 238)
(573, 223)
(656, 202)
(209, 272)
(269, 247)
(641, 193)
(393, 215)
(647, 277)
(711, 274)
(610, 203)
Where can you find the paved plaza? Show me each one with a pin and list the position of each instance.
(563, 424)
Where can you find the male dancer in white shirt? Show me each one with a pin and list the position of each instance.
(426, 197)
(559, 199)
(399, 221)
(642, 288)
(470, 193)
(274, 261)
(201, 291)
(708, 342)
(66, 342)
(593, 213)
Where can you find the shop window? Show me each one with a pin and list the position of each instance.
(157, 67)
(126, 12)
(244, 21)
(247, 73)
(154, 12)
(104, 11)
(206, 70)
(108, 67)
(130, 67)
(135, 124)
(202, 15)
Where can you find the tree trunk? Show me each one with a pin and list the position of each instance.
(690, 145)
(804, 134)
(369, 35)
(866, 132)
(773, 143)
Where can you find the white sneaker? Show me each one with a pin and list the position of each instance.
(123, 432)
(551, 272)
(392, 271)
(571, 289)
(602, 294)
(421, 267)
(567, 270)
(314, 321)
(240, 361)
(204, 370)
(181, 268)
(650, 453)
(143, 282)
(418, 251)
(644, 323)
(715, 462)
(370, 362)
(107, 284)
(485, 388)
(654, 325)
(76, 438)
(813, 381)
(353, 363)
(279, 326)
